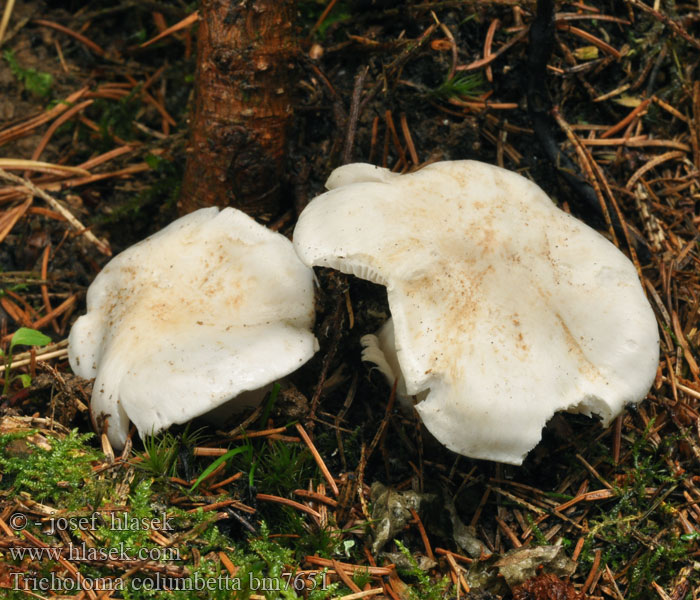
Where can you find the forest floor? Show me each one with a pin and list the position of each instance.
(327, 491)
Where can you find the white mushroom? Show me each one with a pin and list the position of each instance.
(212, 306)
(505, 308)
(380, 349)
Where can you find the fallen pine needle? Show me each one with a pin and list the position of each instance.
(371, 570)
(16, 131)
(7, 13)
(22, 164)
(230, 567)
(316, 497)
(10, 218)
(186, 22)
(74, 34)
(317, 457)
(290, 503)
(365, 594)
(345, 578)
(47, 356)
(458, 572)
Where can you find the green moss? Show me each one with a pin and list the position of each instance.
(635, 530)
(116, 117)
(124, 524)
(425, 588)
(35, 82)
(540, 540)
(55, 474)
(120, 528)
(283, 467)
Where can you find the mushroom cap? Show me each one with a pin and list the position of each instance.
(505, 308)
(209, 307)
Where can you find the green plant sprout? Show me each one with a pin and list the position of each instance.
(223, 458)
(159, 455)
(270, 404)
(467, 86)
(35, 82)
(25, 337)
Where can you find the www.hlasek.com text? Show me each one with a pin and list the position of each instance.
(83, 552)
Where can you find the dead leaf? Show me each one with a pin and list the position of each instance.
(522, 564)
(545, 587)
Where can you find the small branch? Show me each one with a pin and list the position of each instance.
(539, 104)
(102, 246)
(354, 115)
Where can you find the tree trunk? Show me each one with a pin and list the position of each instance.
(236, 155)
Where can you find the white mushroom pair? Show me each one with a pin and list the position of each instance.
(505, 309)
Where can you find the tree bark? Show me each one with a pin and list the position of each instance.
(236, 155)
